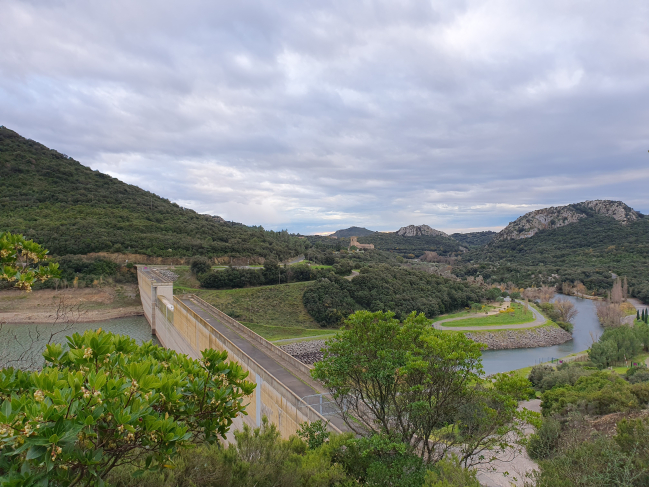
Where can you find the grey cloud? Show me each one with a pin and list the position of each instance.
(318, 115)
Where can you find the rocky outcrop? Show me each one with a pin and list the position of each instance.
(554, 217)
(544, 336)
(615, 209)
(418, 230)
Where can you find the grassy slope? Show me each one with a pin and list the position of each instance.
(274, 312)
(518, 317)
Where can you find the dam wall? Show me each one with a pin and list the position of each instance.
(285, 393)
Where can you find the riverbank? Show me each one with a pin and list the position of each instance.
(541, 336)
(86, 305)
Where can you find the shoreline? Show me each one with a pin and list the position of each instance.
(47, 317)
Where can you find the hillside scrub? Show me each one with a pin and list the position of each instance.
(587, 251)
(71, 209)
(386, 288)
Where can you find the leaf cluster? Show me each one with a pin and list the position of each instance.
(103, 401)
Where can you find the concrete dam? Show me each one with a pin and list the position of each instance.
(285, 391)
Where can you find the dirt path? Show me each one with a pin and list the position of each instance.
(352, 275)
(539, 320)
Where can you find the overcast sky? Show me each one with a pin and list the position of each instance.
(318, 115)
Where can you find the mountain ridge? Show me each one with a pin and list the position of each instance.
(530, 223)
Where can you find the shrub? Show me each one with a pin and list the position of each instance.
(545, 441)
(200, 265)
(566, 325)
(107, 401)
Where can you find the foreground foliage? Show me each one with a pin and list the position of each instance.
(105, 402)
(260, 458)
(421, 386)
(19, 262)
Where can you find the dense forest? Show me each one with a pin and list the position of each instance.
(71, 209)
(592, 250)
(410, 247)
(387, 288)
(474, 239)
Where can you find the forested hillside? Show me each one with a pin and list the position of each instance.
(412, 246)
(71, 209)
(387, 288)
(474, 239)
(352, 232)
(590, 250)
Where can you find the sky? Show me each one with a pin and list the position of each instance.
(313, 116)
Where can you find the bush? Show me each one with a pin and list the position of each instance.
(107, 401)
(450, 473)
(599, 393)
(544, 442)
(566, 325)
(200, 265)
(638, 377)
(257, 458)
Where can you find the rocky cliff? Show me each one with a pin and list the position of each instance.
(418, 230)
(554, 217)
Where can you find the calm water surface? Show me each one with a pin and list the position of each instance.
(586, 327)
(136, 327)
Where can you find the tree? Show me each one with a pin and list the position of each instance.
(18, 262)
(200, 265)
(410, 382)
(566, 309)
(104, 401)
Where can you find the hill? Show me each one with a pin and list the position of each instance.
(555, 217)
(474, 239)
(413, 245)
(419, 230)
(596, 241)
(352, 232)
(71, 209)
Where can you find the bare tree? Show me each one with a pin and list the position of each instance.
(580, 289)
(566, 309)
(27, 349)
(566, 288)
(609, 314)
(546, 293)
(617, 294)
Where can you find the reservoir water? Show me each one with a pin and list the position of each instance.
(12, 336)
(586, 329)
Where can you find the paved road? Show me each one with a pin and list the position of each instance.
(539, 320)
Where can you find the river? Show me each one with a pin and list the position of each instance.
(586, 327)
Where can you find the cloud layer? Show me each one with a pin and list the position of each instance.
(318, 115)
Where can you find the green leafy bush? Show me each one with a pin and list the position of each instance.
(105, 401)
